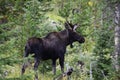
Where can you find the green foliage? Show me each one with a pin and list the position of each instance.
(65, 9)
(103, 50)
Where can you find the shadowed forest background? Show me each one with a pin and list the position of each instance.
(99, 23)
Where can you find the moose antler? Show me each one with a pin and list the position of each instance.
(69, 25)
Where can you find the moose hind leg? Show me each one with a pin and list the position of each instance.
(37, 61)
(25, 64)
(23, 68)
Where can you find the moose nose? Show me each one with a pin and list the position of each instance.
(82, 40)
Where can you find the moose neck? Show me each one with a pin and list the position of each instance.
(66, 37)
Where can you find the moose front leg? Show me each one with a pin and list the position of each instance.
(61, 61)
(54, 66)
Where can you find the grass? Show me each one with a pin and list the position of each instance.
(13, 73)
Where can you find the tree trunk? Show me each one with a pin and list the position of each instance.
(117, 38)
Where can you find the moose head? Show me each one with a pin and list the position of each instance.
(73, 35)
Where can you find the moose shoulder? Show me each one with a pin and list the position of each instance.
(53, 46)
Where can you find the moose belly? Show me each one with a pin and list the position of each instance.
(48, 54)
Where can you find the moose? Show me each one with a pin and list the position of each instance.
(53, 46)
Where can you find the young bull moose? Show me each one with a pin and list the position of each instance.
(53, 46)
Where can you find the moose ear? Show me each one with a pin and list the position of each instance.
(75, 27)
